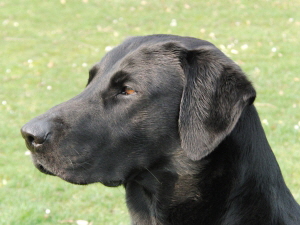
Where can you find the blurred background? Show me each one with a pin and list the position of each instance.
(48, 46)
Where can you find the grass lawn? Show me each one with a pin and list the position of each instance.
(48, 46)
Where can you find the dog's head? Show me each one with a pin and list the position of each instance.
(147, 98)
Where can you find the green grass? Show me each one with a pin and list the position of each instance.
(47, 48)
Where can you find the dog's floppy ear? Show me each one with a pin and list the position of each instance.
(214, 96)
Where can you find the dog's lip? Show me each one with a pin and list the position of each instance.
(112, 183)
(108, 183)
(41, 168)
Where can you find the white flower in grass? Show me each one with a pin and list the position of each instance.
(27, 152)
(202, 30)
(244, 47)
(265, 121)
(212, 36)
(173, 23)
(116, 34)
(233, 51)
(108, 48)
(187, 6)
(222, 47)
(82, 222)
(30, 63)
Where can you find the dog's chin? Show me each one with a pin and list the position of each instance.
(112, 183)
(42, 169)
(75, 180)
(78, 181)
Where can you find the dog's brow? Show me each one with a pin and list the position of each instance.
(120, 77)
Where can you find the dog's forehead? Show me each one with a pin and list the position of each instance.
(137, 58)
(145, 52)
(145, 55)
(139, 46)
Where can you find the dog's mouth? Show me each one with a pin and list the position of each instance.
(42, 169)
(77, 180)
(112, 183)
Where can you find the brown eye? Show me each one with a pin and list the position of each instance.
(127, 91)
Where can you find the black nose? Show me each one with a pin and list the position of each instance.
(35, 134)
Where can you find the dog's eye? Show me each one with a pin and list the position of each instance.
(127, 91)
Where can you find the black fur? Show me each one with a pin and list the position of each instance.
(186, 141)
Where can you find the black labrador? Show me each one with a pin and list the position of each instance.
(172, 120)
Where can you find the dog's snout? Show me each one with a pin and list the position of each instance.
(35, 134)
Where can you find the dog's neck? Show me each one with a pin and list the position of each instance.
(235, 172)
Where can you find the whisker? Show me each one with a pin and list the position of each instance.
(72, 164)
(152, 175)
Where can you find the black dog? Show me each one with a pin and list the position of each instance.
(170, 118)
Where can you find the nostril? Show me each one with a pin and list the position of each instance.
(38, 140)
(35, 135)
(30, 138)
(35, 139)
